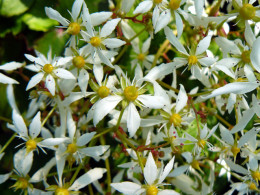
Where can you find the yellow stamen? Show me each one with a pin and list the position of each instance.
(95, 41)
(152, 190)
(192, 60)
(131, 93)
(195, 164)
(74, 28)
(247, 11)
(21, 183)
(72, 148)
(201, 143)
(245, 56)
(30, 145)
(103, 91)
(141, 57)
(78, 61)
(48, 68)
(175, 119)
(157, 1)
(62, 191)
(235, 150)
(174, 4)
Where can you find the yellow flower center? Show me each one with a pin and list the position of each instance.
(245, 56)
(175, 119)
(95, 41)
(157, 1)
(131, 93)
(78, 61)
(256, 175)
(195, 164)
(103, 91)
(192, 60)
(72, 148)
(174, 4)
(201, 143)
(252, 186)
(62, 191)
(21, 183)
(141, 57)
(235, 150)
(152, 190)
(48, 68)
(74, 28)
(247, 11)
(30, 145)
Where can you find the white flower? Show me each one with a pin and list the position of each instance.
(10, 66)
(153, 178)
(48, 69)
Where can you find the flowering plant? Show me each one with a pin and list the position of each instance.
(139, 97)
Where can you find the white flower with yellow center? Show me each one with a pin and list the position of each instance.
(97, 42)
(153, 178)
(131, 95)
(48, 69)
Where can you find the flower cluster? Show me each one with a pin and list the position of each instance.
(142, 94)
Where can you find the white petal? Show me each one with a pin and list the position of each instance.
(249, 73)
(226, 136)
(236, 167)
(99, 73)
(35, 126)
(227, 46)
(95, 151)
(35, 80)
(53, 141)
(64, 74)
(83, 80)
(207, 61)
(179, 24)
(253, 164)
(133, 119)
(71, 126)
(159, 72)
(247, 115)
(126, 187)
(166, 170)
(163, 20)
(62, 61)
(4, 177)
(87, 178)
(181, 99)
(199, 7)
(19, 124)
(150, 170)
(203, 45)
(168, 192)
(23, 161)
(172, 38)
(113, 43)
(228, 62)
(143, 7)
(236, 88)
(255, 57)
(60, 161)
(109, 27)
(7, 80)
(179, 170)
(104, 59)
(50, 84)
(226, 70)
(11, 97)
(85, 138)
(104, 106)
(146, 45)
(126, 5)
(149, 101)
(245, 138)
(100, 17)
(53, 14)
(156, 14)
(11, 66)
(204, 132)
(249, 35)
(76, 9)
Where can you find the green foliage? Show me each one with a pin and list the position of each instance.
(9, 8)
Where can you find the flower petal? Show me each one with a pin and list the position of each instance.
(150, 170)
(113, 43)
(64, 74)
(100, 17)
(11, 66)
(126, 187)
(95, 151)
(181, 99)
(203, 45)
(133, 119)
(255, 57)
(166, 170)
(35, 126)
(109, 27)
(7, 80)
(53, 14)
(85, 138)
(163, 20)
(19, 124)
(143, 7)
(76, 9)
(50, 84)
(35, 80)
(149, 101)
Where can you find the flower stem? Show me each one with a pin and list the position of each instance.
(7, 143)
(48, 116)
(159, 52)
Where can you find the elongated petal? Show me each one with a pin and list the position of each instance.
(149, 101)
(181, 99)
(109, 27)
(126, 187)
(143, 7)
(179, 24)
(64, 74)
(166, 170)
(35, 80)
(53, 141)
(199, 7)
(104, 106)
(168, 192)
(226, 70)
(104, 59)
(203, 45)
(236, 88)
(247, 115)
(11, 97)
(71, 126)
(53, 14)
(100, 17)
(83, 80)
(11, 66)
(76, 9)
(207, 61)
(85, 138)
(246, 137)
(7, 80)
(236, 167)
(87, 178)
(228, 62)
(226, 135)
(94, 151)
(50, 84)
(249, 35)
(150, 170)
(255, 57)
(133, 119)
(4, 177)
(174, 41)
(159, 72)
(227, 46)
(204, 132)
(163, 20)
(35, 126)
(99, 73)
(179, 170)
(19, 124)
(23, 161)
(113, 43)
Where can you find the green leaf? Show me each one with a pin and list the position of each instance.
(10, 25)
(9, 8)
(38, 23)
